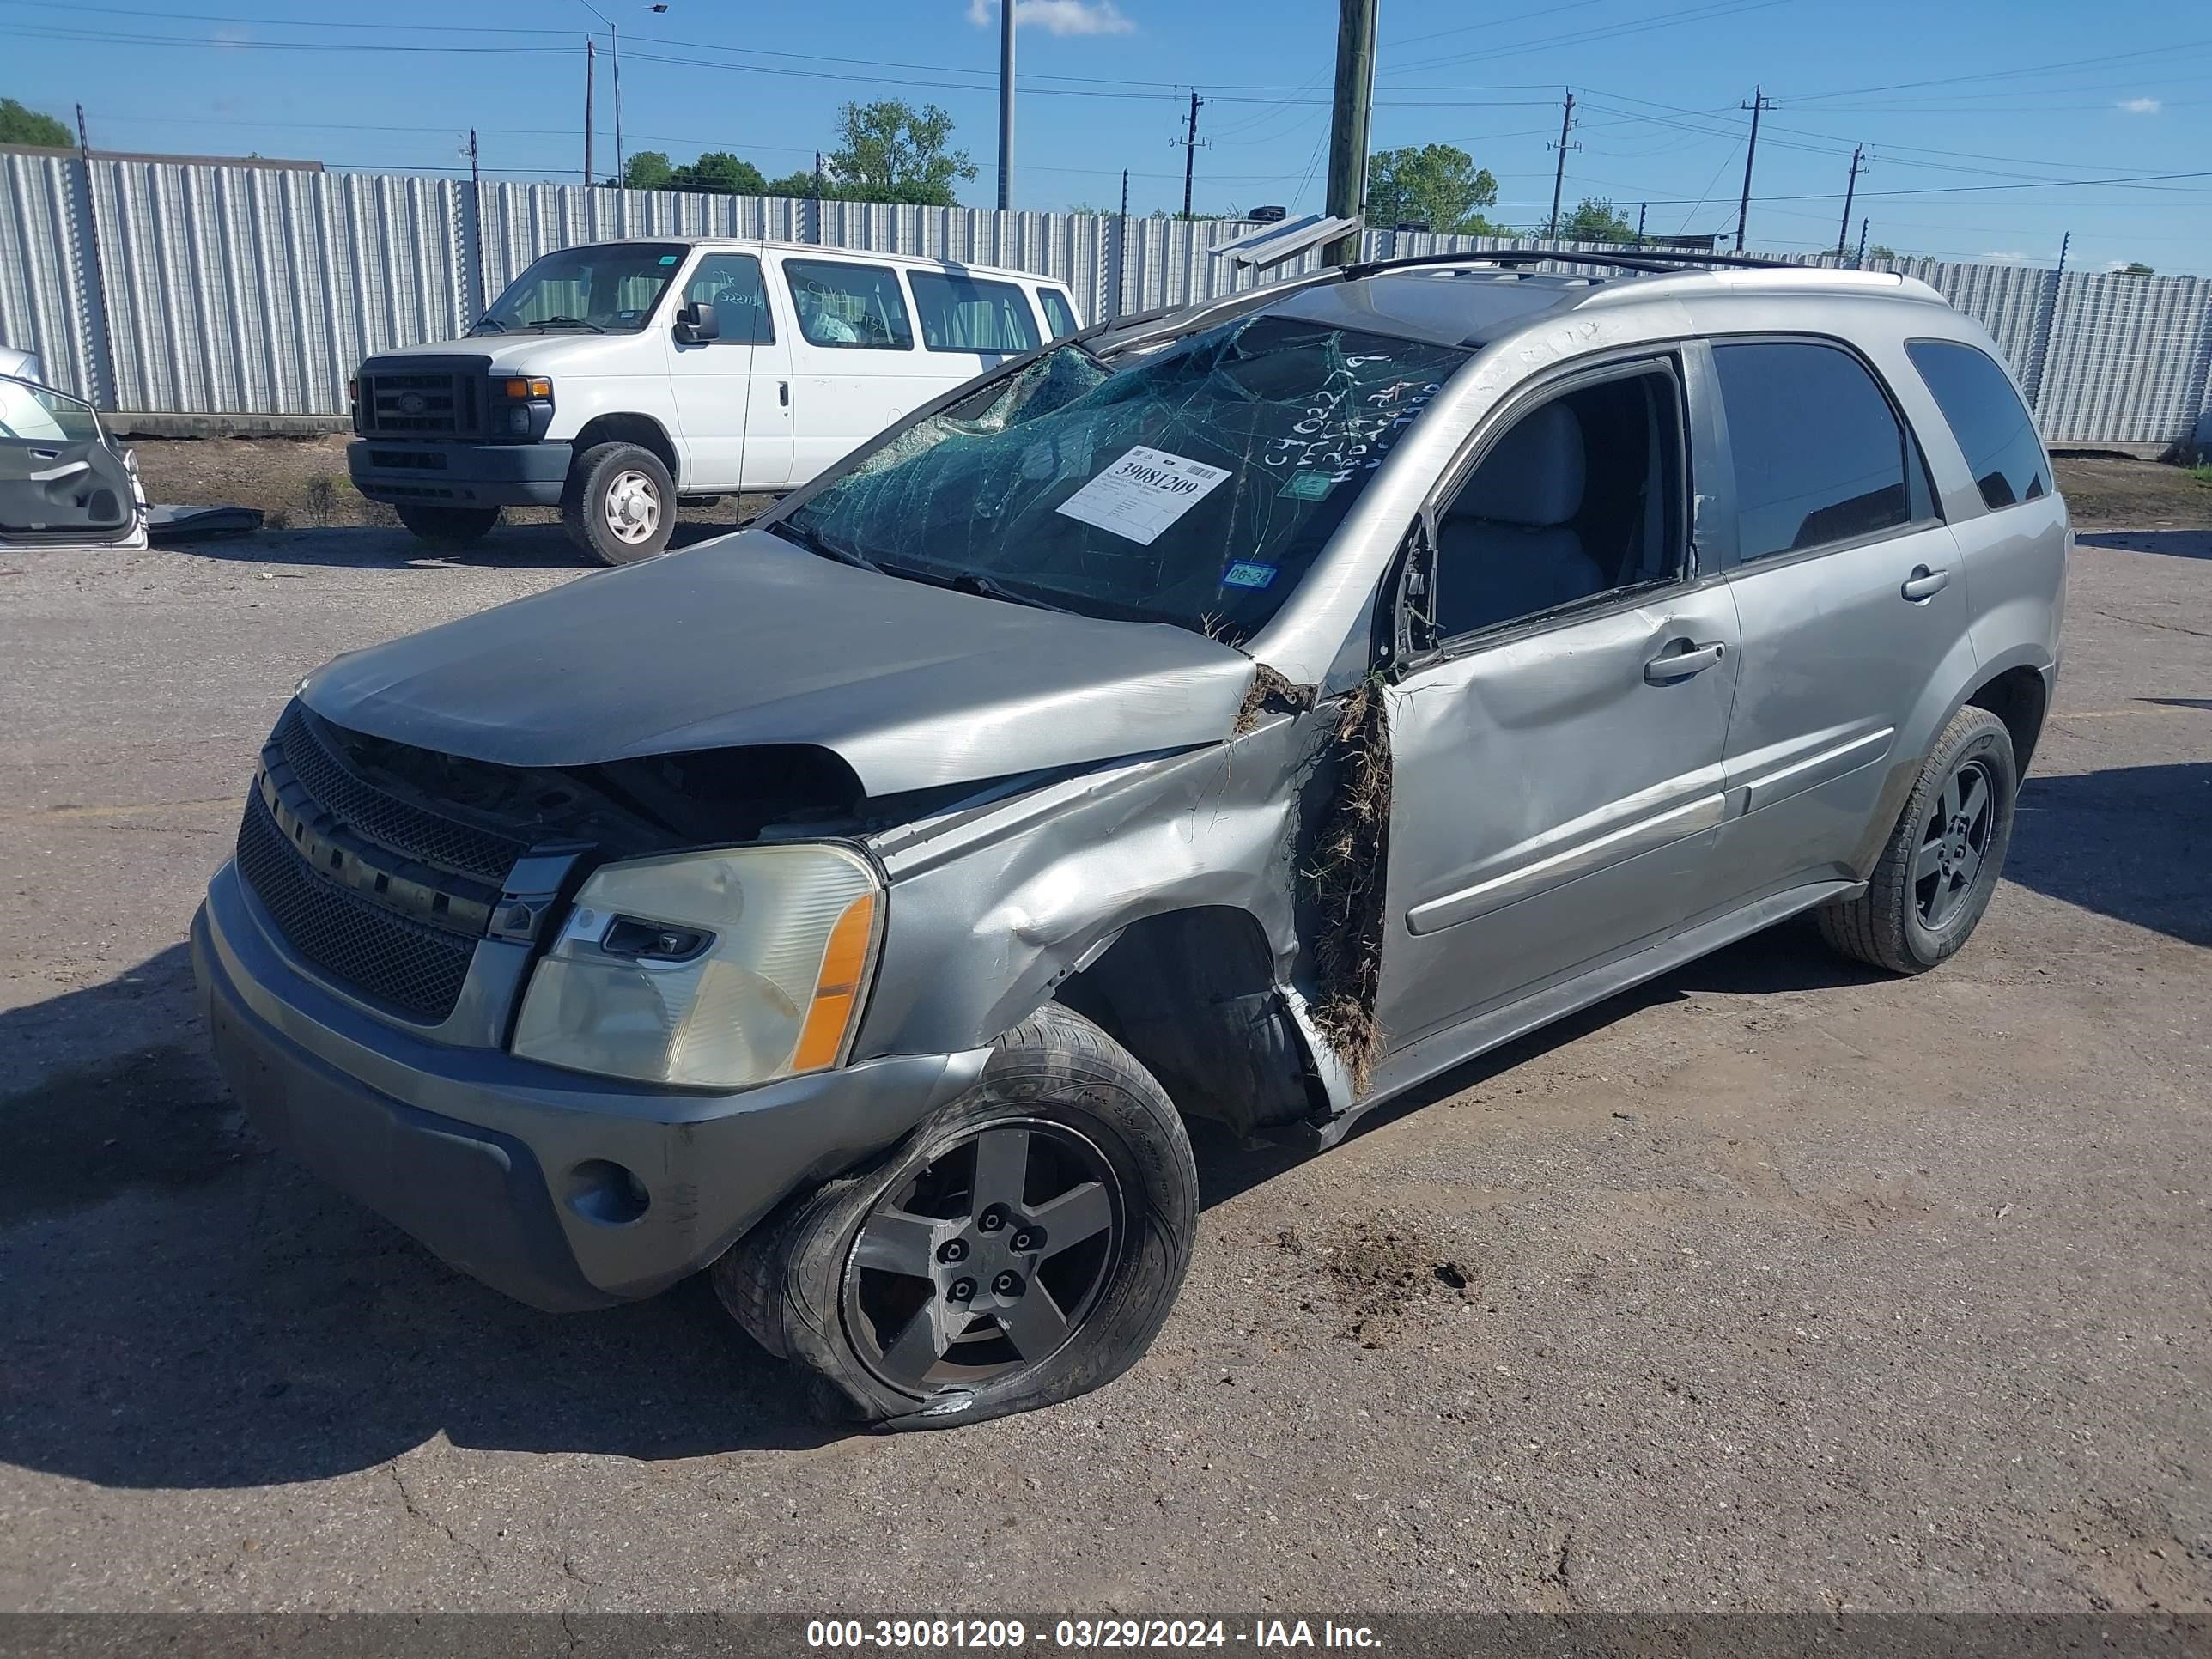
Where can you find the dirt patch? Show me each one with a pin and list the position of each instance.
(2111, 492)
(300, 484)
(1389, 1281)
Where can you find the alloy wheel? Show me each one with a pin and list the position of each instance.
(1953, 844)
(986, 1260)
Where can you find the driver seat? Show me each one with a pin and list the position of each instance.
(1506, 549)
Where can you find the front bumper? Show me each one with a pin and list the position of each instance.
(420, 472)
(476, 1153)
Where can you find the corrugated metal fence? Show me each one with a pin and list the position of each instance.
(171, 288)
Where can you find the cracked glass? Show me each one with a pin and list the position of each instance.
(1211, 472)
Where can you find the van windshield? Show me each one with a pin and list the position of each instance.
(611, 288)
(1192, 484)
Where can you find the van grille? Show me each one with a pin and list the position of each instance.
(435, 404)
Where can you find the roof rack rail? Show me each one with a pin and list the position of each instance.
(1654, 261)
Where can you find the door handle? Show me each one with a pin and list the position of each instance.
(1924, 584)
(783, 393)
(1669, 665)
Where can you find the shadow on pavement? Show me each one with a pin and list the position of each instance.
(184, 1310)
(381, 547)
(2177, 544)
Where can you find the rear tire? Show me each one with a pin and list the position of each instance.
(1941, 865)
(1023, 1246)
(619, 503)
(449, 529)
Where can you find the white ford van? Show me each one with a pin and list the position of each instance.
(616, 379)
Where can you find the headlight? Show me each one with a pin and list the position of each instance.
(709, 969)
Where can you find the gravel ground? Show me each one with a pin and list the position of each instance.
(1775, 1285)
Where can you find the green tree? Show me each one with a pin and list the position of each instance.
(718, 172)
(893, 153)
(1883, 250)
(648, 170)
(800, 183)
(1438, 185)
(1595, 221)
(2136, 268)
(19, 125)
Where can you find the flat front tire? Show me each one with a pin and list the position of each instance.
(1940, 863)
(1023, 1246)
(619, 503)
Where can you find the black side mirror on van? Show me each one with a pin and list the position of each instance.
(696, 324)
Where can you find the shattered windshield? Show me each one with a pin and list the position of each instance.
(611, 288)
(1193, 484)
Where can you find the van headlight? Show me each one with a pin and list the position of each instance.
(709, 969)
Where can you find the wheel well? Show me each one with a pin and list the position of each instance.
(2017, 697)
(1192, 995)
(641, 429)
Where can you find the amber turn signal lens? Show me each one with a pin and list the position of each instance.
(536, 387)
(837, 988)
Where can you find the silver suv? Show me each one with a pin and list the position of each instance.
(1244, 713)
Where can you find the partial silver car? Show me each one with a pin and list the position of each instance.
(1245, 712)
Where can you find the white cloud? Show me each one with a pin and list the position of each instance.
(1057, 16)
(2009, 255)
(2141, 106)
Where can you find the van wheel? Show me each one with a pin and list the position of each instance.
(619, 503)
(1021, 1247)
(449, 528)
(1935, 877)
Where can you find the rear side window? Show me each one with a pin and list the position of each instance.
(1058, 315)
(960, 313)
(857, 306)
(1820, 455)
(1995, 431)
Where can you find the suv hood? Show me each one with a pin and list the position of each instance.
(747, 640)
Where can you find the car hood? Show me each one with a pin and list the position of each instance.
(575, 351)
(748, 640)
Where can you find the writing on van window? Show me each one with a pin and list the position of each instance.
(1142, 493)
(1349, 423)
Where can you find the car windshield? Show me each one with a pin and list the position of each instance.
(40, 413)
(1190, 484)
(612, 288)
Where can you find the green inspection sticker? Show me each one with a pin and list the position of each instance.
(668, 259)
(1308, 486)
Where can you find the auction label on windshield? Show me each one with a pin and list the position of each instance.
(1142, 493)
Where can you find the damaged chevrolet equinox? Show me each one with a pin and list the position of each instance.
(1243, 712)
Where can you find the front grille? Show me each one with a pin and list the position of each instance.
(434, 404)
(383, 818)
(417, 969)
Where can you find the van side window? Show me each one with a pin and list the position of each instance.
(857, 306)
(1994, 429)
(1058, 315)
(1820, 454)
(965, 313)
(731, 282)
(1580, 497)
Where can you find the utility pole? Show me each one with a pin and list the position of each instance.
(1347, 130)
(1190, 154)
(817, 198)
(591, 63)
(1125, 192)
(1851, 189)
(1005, 103)
(614, 53)
(1640, 207)
(1560, 172)
(1759, 101)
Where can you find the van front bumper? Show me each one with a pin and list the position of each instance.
(417, 472)
(497, 1164)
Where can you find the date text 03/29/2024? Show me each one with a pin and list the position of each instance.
(939, 1634)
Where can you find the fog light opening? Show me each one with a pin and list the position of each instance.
(606, 1192)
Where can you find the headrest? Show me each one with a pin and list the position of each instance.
(1533, 475)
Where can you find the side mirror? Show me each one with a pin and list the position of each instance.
(696, 324)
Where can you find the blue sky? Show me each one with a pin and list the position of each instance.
(1973, 112)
